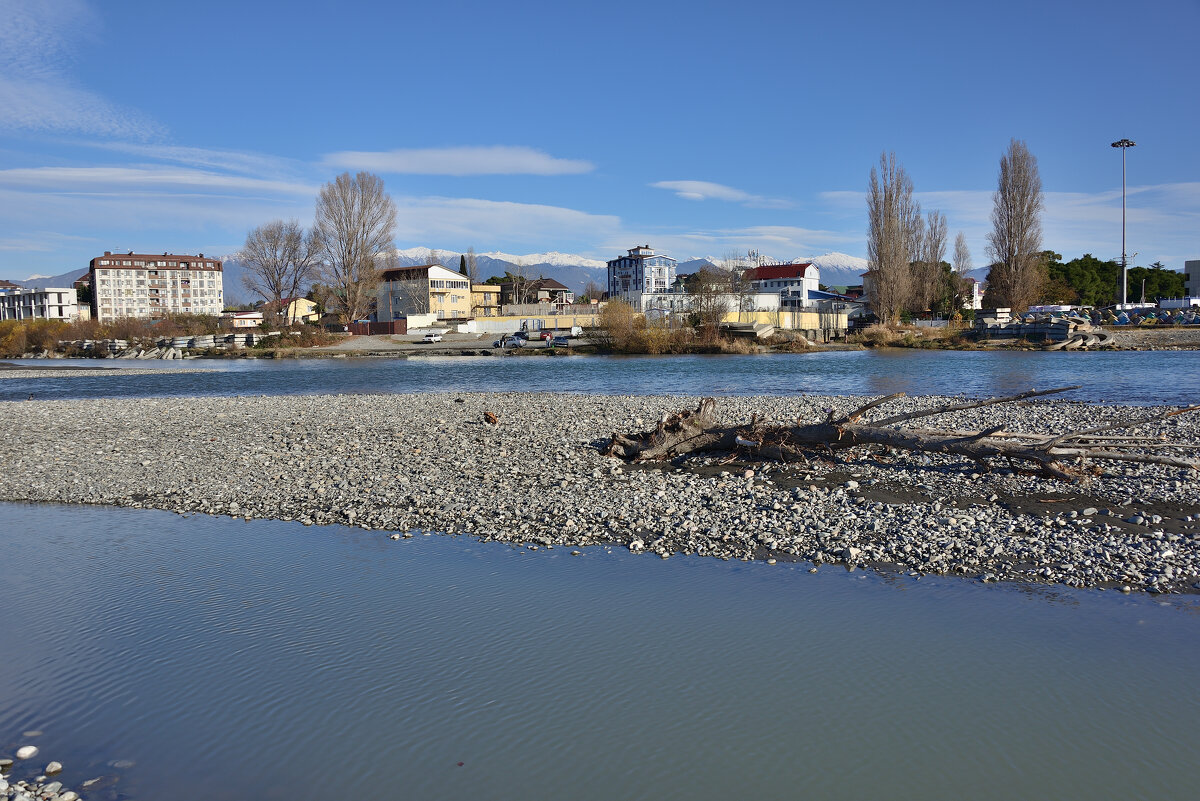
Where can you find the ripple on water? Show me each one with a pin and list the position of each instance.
(274, 650)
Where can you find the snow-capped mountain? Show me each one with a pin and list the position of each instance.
(574, 271)
(37, 281)
(839, 269)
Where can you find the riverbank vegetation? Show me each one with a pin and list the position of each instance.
(622, 329)
(912, 336)
(19, 337)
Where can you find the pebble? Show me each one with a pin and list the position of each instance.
(922, 513)
(27, 752)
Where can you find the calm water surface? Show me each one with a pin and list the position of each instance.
(1168, 377)
(237, 660)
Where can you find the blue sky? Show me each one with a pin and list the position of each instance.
(699, 128)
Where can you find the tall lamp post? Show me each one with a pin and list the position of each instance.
(1124, 144)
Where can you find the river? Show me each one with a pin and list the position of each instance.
(207, 658)
(1128, 377)
(226, 659)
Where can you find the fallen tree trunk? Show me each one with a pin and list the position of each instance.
(696, 431)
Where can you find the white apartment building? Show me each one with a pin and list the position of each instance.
(795, 280)
(641, 272)
(154, 285)
(51, 303)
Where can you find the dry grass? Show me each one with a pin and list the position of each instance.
(908, 336)
(18, 337)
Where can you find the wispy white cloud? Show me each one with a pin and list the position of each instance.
(776, 241)
(1161, 220)
(247, 163)
(463, 222)
(495, 160)
(111, 180)
(706, 190)
(37, 40)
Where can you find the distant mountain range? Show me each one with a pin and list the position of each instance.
(57, 281)
(576, 272)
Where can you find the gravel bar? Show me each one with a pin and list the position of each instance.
(426, 463)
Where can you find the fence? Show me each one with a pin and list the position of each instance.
(375, 329)
(545, 309)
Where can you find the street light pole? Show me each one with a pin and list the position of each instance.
(1124, 144)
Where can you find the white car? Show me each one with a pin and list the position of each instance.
(432, 336)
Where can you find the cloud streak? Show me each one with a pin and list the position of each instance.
(37, 40)
(111, 180)
(706, 190)
(458, 161)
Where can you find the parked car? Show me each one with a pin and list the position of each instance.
(432, 336)
(559, 342)
(521, 335)
(547, 336)
(509, 341)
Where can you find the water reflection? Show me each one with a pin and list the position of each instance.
(231, 659)
(1120, 377)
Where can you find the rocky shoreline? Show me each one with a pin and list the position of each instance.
(40, 785)
(409, 463)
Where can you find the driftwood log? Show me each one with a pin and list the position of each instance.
(689, 431)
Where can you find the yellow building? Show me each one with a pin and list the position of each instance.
(426, 289)
(485, 300)
(296, 310)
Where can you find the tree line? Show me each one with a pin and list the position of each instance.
(351, 240)
(906, 273)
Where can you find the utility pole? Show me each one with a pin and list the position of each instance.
(1123, 144)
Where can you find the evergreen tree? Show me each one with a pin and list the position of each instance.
(462, 265)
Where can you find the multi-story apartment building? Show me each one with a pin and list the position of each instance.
(640, 272)
(155, 286)
(1191, 278)
(51, 303)
(425, 289)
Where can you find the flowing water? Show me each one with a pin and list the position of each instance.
(213, 658)
(1137, 378)
(209, 658)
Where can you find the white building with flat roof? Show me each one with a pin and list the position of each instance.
(155, 286)
(51, 303)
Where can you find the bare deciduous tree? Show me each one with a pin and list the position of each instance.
(521, 278)
(354, 226)
(962, 255)
(409, 294)
(593, 291)
(928, 269)
(472, 266)
(1015, 243)
(278, 258)
(960, 288)
(894, 220)
(710, 292)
